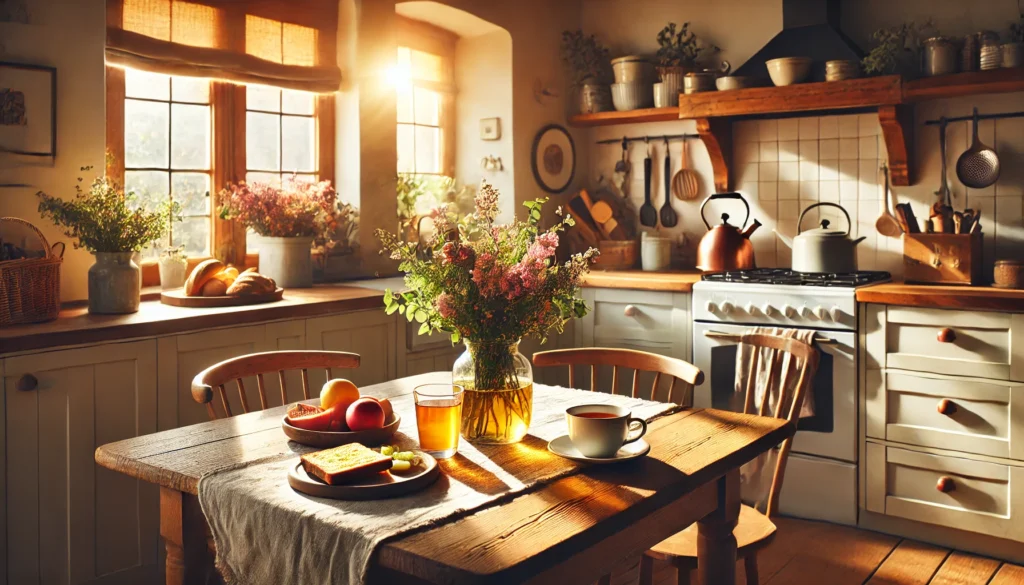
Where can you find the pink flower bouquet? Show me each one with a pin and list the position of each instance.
(302, 209)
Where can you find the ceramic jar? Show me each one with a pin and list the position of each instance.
(632, 69)
(594, 98)
(655, 252)
(115, 283)
(287, 260)
(173, 272)
(940, 57)
(666, 92)
(1013, 55)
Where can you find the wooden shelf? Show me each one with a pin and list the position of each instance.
(964, 84)
(627, 117)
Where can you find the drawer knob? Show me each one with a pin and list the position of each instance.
(945, 485)
(27, 383)
(946, 407)
(946, 335)
(631, 311)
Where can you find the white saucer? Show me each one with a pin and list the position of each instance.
(563, 447)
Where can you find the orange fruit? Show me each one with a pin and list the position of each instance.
(338, 392)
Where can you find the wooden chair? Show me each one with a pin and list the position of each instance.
(630, 359)
(258, 364)
(754, 530)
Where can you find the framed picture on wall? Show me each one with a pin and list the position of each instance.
(28, 109)
(553, 158)
(490, 129)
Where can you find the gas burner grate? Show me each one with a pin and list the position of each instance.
(792, 277)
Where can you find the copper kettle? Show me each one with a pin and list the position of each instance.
(726, 247)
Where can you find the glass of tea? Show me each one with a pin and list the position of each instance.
(439, 418)
(600, 430)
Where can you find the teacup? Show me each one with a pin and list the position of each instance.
(600, 430)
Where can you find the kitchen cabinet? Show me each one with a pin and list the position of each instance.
(371, 334)
(68, 520)
(652, 321)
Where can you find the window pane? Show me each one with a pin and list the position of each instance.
(406, 149)
(143, 84)
(261, 97)
(192, 191)
(194, 233)
(427, 66)
(263, 141)
(405, 104)
(145, 134)
(190, 136)
(298, 144)
(404, 58)
(190, 89)
(150, 187)
(266, 178)
(428, 104)
(428, 150)
(297, 102)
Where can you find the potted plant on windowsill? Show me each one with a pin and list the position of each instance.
(105, 221)
(287, 220)
(590, 70)
(678, 52)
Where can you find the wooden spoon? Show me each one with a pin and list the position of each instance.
(887, 224)
(686, 182)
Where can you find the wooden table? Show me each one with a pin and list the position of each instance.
(573, 530)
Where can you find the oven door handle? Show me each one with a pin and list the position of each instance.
(736, 337)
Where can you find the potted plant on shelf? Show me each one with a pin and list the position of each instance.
(489, 285)
(287, 220)
(1013, 51)
(679, 49)
(587, 61)
(106, 221)
(898, 50)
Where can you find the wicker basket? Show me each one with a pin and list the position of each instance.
(30, 288)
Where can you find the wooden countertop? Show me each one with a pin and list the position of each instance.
(76, 326)
(982, 298)
(672, 281)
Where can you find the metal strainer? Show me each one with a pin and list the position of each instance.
(978, 167)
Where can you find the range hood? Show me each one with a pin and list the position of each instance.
(810, 28)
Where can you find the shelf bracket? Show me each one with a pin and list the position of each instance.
(716, 133)
(897, 122)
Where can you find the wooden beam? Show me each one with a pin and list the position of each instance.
(717, 137)
(897, 122)
(964, 84)
(627, 117)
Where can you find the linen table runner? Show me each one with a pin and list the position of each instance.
(267, 533)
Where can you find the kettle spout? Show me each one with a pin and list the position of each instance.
(859, 240)
(750, 229)
(785, 239)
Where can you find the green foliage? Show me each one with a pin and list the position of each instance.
(680, 48)
(898, 49)
(106, 219)
(585, 58)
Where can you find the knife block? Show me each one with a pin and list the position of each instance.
(942, 258)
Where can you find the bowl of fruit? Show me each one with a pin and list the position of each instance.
(343, 416)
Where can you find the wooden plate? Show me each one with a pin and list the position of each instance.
(380, 486)
(177, 298)
(369, 438)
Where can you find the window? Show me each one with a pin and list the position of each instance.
(420, 112)
(167, 143)
(280, 135)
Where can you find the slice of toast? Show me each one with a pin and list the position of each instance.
(344, 464)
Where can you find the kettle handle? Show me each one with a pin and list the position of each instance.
(849, 224)
(725, 196)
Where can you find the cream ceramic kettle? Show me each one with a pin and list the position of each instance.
(823, 249)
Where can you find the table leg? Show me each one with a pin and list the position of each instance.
(182, 527)
(716, 545)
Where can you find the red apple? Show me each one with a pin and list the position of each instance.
(365, 414)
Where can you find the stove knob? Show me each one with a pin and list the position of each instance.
(836, 314)
(751, 308)
(726, 308)
(820, 313)
(711, 307)
(768, 309)
(789, 311)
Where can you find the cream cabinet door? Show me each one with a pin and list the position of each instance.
(67, 519)
(371, 334)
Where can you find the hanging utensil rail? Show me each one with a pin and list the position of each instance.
(662, 137)
(980, 117)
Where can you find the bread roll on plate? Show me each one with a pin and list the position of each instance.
(201, 274)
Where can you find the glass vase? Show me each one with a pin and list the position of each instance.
(498, 391)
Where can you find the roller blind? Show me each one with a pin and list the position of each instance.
(283, 43)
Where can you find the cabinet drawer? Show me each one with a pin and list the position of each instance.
(960, 343)
(637, 316)
(970, 415)
(978, 498)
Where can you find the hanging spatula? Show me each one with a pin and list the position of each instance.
(648, 213)
(668, 215)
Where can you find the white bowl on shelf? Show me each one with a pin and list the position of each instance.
(632, 96)
(789, 70)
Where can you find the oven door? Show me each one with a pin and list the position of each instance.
(831, 432)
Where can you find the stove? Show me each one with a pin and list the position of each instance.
(821, 477)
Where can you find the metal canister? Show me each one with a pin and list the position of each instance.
(969, 53)
(989, 52)
(940, 56)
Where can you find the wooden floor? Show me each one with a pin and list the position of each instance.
(817, 553)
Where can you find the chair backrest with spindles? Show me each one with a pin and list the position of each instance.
(777, 358)
(217, 376)
(630, 359)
